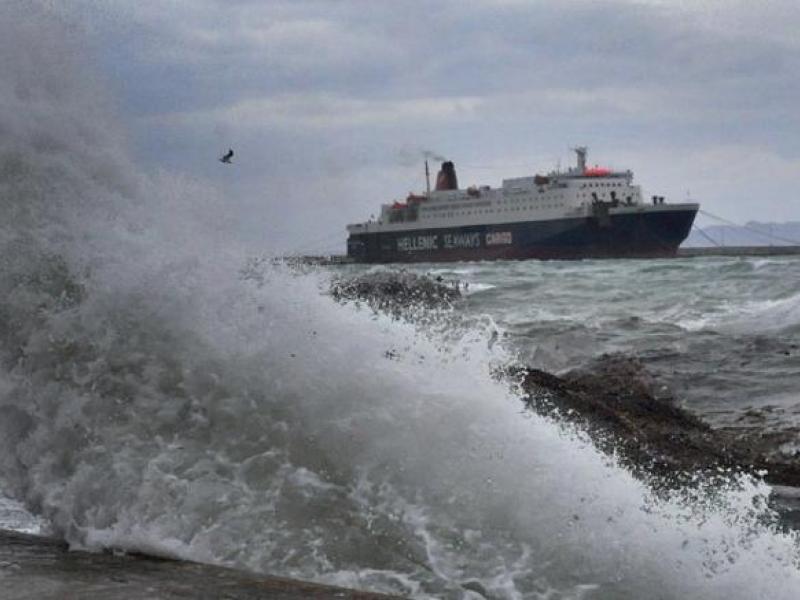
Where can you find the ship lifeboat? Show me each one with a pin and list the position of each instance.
(398, 205)
(597, 172)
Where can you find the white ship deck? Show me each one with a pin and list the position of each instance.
(572, 194)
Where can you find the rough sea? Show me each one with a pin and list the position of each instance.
(721, 334)
(247, 419)
(158, 394)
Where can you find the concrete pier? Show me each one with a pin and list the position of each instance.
(38, 568)
(739, 251)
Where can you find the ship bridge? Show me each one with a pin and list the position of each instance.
(581, 170)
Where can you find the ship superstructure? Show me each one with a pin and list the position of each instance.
(584, 212)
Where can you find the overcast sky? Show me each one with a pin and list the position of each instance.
(330, 104)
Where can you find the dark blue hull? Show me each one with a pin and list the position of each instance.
(645, 234)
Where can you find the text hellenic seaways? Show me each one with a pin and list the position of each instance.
(415, 243)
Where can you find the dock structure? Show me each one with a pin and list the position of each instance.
(39, 568)
(690, 252)
(739, 251)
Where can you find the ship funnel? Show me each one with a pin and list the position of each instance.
(446, 179)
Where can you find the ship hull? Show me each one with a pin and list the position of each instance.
(640, 234)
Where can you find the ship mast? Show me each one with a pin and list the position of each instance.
(427, 180)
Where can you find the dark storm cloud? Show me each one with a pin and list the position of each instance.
(680, 91)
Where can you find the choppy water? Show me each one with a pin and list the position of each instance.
(722, 334)
(155, 397)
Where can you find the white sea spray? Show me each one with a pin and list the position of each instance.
(155, 399)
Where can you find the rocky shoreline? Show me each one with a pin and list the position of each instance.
(614, 400)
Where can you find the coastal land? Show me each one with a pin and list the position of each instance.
(617, 403)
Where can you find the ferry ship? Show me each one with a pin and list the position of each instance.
(584, 212)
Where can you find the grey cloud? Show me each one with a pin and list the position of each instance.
(335, 90)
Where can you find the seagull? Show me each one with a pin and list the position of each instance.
(227, 157)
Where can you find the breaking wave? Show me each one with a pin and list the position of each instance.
(155, 396)
(759, 316)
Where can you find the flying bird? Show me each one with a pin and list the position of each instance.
(226, 158)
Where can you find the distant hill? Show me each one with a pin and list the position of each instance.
(752, 233)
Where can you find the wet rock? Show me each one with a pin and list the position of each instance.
(615, 403)
(626, 410)
(396, 292)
